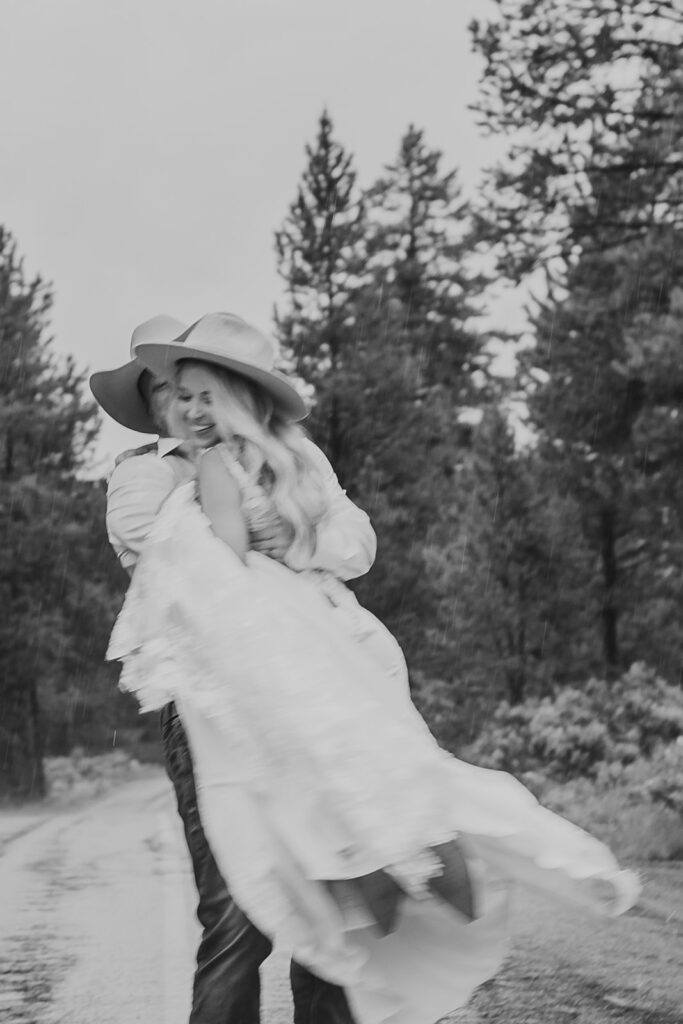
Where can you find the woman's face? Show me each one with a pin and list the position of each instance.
(194, 386)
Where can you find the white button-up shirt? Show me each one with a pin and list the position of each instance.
(345, 540)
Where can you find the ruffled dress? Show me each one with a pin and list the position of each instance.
(314, 771)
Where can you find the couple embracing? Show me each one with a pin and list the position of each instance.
(317, 807)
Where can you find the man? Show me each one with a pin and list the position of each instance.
(226, 984)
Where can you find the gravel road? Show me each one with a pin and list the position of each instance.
(97, 916)
(97, 924)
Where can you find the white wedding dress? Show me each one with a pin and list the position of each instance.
(313, 767)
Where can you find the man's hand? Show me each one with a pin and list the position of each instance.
(130, 453)
(273, 540)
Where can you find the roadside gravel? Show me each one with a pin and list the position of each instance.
(568, 968)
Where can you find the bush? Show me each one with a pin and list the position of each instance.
(665, 785)
(620, 812)
(578, 732)
(642, 708)
(435, 699)
(82, 776)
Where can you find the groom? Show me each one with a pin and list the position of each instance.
(226, 983)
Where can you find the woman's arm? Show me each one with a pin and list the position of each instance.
(220, 499)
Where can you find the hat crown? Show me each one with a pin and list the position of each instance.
(226, 340)
(231, 337)
(157, 328)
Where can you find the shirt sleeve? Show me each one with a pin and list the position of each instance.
(137, 488)
(345, 540)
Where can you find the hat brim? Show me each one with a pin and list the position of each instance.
(163, 357)
(117, 392)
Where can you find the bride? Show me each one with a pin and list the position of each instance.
(339, 824)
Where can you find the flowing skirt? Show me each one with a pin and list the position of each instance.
(314, 771)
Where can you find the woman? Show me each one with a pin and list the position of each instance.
(337, 821)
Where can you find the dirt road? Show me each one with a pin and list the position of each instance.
(97, 924)
(97, 917)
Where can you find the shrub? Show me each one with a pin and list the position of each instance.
(665, 785)
(619, 811)
(641, 707)
(577, 733)
(436, 699)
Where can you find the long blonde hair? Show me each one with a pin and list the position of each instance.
(271, 449)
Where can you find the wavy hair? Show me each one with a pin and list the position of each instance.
(271, 449)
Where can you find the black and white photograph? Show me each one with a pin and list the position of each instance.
(341, 512)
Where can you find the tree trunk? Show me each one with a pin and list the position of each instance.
(516, 684)
(22, 775)
(335, 439)
(515, 670)
(610, 612)
(9, 455)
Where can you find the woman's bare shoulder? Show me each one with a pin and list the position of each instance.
(216, 476)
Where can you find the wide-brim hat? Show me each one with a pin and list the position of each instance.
(223, 339)
(117, 391)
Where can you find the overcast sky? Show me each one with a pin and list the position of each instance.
(150, 148)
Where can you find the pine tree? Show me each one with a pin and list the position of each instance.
(421, 250)
(321, 255)
(416, 356)
(514, 577)
(590, 95)
(385, 414)
(44, 423)
(45, 429)
(607, 412)
(364, 383)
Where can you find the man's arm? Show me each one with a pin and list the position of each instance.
(345, 540)
(137, 488)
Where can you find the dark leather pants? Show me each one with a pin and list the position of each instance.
(226, 982)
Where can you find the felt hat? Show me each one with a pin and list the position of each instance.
(223, 339)
(117, 391)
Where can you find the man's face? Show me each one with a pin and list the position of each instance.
(157, 395)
